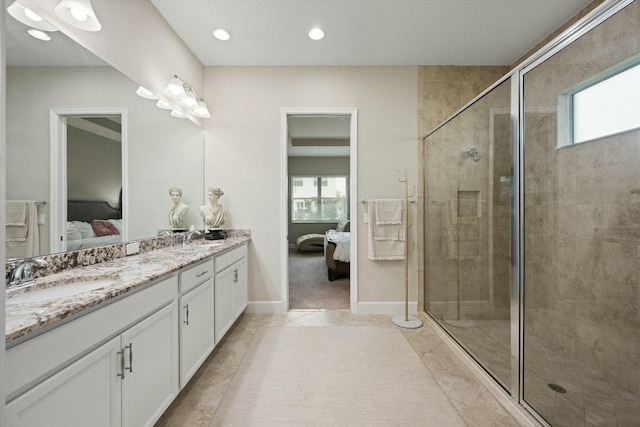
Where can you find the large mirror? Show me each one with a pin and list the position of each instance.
(79, 137)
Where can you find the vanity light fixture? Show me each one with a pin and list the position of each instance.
(78, 13)
(221, 34)
(145, 93)
(186, 97)
(316, 34)
(29, 17)
(178, 114)
(201, 110)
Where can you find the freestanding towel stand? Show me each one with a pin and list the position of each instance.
(406, 321)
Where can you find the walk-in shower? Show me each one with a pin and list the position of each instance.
(531, 255)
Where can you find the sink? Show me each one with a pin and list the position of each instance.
(61, 290)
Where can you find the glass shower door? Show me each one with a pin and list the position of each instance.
(467, 244)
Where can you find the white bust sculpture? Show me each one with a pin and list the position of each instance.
(179, 210)
(213, 212)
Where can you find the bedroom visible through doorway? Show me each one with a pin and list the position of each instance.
(318, 211)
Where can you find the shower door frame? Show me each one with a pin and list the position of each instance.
(590, 21)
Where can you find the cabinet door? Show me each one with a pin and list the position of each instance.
(224, 282)
(150, 379)
(196, 329)
(86, 393)
(240, 291)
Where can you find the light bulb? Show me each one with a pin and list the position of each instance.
(32, 15)
(78, 15)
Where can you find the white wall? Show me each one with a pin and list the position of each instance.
(243, 157)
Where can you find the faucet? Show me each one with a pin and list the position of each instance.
(186, 237)
(22, 274)
(164, 233)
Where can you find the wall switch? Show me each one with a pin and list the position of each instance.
(132, 248)
(41, 218)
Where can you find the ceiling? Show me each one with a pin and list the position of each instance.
(365, 32)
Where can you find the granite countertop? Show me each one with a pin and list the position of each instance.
(124, 275)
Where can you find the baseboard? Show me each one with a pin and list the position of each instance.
(265, 307)
(361, 307)
(385, 307)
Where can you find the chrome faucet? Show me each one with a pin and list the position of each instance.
(164, 233)
(22, 274)
(187, 237)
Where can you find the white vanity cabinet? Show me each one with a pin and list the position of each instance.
(196, 318)
(230, 289)
(88, 392)
(124, 362)
(128, 381)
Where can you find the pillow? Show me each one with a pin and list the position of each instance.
(117, 223)
(72, 232)
(84, 228)
(104, 228)
(343, 226)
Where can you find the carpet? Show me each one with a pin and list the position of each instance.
(333, 376)
(309, 285)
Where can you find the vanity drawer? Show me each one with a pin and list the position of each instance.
(193, 276)
(226, 259)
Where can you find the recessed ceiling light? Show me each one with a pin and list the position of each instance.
(316, 34)
(40, 35)
(221, 34)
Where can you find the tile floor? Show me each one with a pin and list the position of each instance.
(197, 404)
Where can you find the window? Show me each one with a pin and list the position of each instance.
(319, 198)
(607, 104)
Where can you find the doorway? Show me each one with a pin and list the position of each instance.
(88, 171)
(319, 178)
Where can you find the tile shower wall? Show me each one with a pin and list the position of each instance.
(443, 90)
(582, 245)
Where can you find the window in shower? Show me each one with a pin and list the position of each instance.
(606, 104)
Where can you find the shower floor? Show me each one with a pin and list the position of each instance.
(590, 399)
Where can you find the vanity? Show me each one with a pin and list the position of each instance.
(119, 351)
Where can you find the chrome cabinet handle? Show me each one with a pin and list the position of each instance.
(121, 353)
(235, 276)
(202, 274)
(186, 321)
(130, 347)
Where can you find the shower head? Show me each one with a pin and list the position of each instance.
(473, 153)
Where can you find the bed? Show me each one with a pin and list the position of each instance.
(92, 223)
(337, 253)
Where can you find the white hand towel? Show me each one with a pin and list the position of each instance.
(30, 245)
(16, 213)
(382, 249)
(388, 211)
